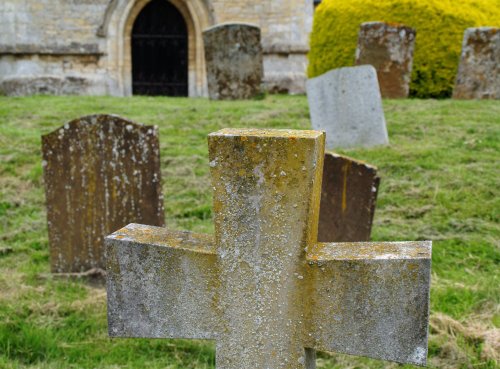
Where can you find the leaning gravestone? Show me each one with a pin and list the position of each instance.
(389, 48)
(479, 70)
(263, 288)
(101, 172)
(348, 198)
(233, 56)
(346, 103)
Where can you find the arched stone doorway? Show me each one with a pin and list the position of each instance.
(117, 27)
(160, 51)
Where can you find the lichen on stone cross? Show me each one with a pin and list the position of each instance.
(263, 288)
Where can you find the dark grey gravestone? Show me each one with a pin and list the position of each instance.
(101, 172)
(233, 55)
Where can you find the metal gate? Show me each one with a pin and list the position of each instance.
(160, 51)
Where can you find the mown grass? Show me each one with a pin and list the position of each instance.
(440, 181)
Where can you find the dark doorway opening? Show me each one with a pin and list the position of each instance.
(160, 51)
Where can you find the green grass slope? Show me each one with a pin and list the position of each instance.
(440, 181)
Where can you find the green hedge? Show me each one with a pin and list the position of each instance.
(440, 25)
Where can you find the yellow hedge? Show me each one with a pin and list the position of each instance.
(440, 25)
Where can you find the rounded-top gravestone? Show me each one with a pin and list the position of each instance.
(101, 173)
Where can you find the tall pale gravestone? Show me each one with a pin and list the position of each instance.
(389, 48)
(348, 198)
(262, 287)
(233, 56)
(346, 103)
(479, 70)
(101, 173)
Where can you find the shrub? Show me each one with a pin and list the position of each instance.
(440, 25)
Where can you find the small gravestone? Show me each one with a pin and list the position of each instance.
(101, 172)
(348, 198)
(389, 48)
(479, 70)
(233, 55)
(263, 288)
(346, 103)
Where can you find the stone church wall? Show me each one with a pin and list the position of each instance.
(76, 46)
(50, 46)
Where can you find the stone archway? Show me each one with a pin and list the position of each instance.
(118, 32)
(160, 51)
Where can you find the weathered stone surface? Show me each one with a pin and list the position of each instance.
(101, 172)
(372, 299)
(348, 198)
(263, 287)
(346, 103)
(233, 54)
(170, 273)
(389, 48)
(479, 70)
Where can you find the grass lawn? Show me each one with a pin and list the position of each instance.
(440, 181)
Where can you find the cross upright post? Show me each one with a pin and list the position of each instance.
(263, 287)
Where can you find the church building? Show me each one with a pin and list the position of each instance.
(152, 47)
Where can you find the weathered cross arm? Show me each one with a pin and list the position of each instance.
(160, 283)
(371, 299)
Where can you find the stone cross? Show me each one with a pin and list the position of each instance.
(263, 288)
